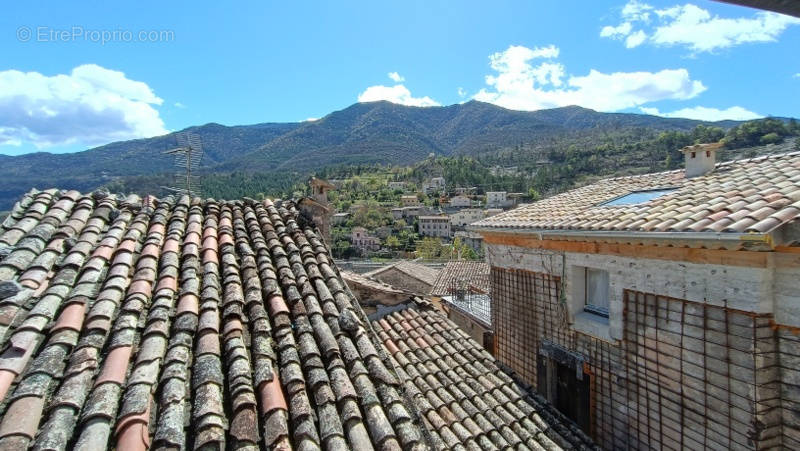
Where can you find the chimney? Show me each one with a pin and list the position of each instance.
(319, 190)
(317, 207)
(700, 159)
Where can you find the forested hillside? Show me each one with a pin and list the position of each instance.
(555, 145)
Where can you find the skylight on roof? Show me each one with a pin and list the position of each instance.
(638, 197)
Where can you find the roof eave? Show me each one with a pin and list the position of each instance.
(755, 241)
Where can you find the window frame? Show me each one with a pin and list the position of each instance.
(589, 307)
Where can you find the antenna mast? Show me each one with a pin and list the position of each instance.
(188, 155)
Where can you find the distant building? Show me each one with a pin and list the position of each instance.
(514, 199)
(397, 185)
(363, 241)
(492, 211)
(496, 199)
(471, 239)
(463, 190)
(407, 275)
(339, 218)
(436, 226)
(504, 171)
(466, 216)
(460, 201)
(433, 185)
(397, 213)
(410, 201)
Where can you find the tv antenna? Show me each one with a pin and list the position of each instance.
(188, 155)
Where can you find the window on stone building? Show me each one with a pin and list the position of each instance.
(596, 292)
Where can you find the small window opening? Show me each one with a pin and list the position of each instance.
(596, 292)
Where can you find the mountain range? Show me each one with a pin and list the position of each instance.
(375, 132)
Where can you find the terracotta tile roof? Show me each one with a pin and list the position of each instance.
(416, 270)
(469, 275)
(174, 323)
(744, 196)
(466, 400)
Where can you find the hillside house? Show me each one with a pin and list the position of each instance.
(496, 199)
(410, 200)
(408, 275)
(340, 218)
(397, 185)
(397, 213)
(435, 226)
(466, 216)
(434, 185)
(363, 241)
(472, 239)
(460, 201)
(659, 310)
(186, 323)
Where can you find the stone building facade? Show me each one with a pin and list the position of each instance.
(659, 311)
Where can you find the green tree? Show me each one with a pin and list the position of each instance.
(430, 248)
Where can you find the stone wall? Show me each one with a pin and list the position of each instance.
(679, 374)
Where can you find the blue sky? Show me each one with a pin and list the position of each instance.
(63, 89)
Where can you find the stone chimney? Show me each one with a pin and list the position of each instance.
(317, 207)
(319, 190)
(700, 158)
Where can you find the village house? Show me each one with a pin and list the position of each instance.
(397, 185)
(463, 287)
(408, 275)
(410, 200)
(659, 310)
(340, 218)
(434, 185)
(472, 239)
(460, 201)
(496, 199)
(363, 241)
(189, 323)
(435, 226)
(466, 216)
(397, 213)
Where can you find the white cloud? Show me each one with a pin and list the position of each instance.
(694, 27)
(521, 85)
(620, 31)
(635, 39)
(179, 105)
(396, 94)
(706, 114)
(90, 105)
(397, 78)
(311, 119)
(636, 10)
(797, 75)
(462, 92)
